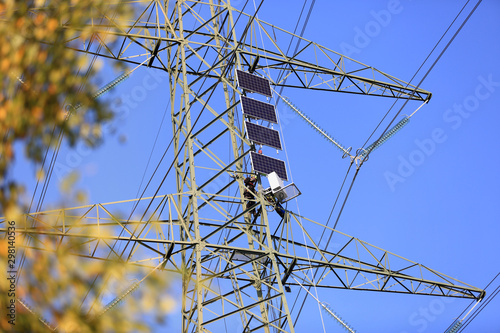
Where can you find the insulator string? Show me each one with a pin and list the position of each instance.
(454, 329)
(396, 128)
(327, 308)
(134, 286)
(315, 126)
(33, 312)
(112, 84)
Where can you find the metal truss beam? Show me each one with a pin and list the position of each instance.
(331, 71)
(357, 265)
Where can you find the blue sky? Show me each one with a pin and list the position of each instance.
(430, 194)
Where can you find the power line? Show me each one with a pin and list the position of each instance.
(459, 325)
(153, 148)
(424, 77)
(50, 169)
(435, 61)
(298, 42)
(481, 308)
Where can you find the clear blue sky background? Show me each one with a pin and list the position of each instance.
(441, 210)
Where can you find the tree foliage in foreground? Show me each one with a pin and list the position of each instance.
(60, 291)
(42, 82)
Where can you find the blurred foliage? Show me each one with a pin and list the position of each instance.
(42, 81)
(70, 292)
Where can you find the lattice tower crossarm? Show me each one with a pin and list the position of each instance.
(357, 265)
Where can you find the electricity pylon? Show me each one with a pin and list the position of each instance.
(233, 264)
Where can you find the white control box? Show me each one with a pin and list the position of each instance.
(275, 182)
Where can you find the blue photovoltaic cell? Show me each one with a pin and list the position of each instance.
(266, 165)
(257, 109)
(263, 135)
(254, 83)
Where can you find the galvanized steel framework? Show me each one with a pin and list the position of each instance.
(200, 44)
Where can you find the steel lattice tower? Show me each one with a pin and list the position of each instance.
(201, 44)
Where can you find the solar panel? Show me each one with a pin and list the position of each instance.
(254, 83)
(257, 109)
(266, 165)
(263, 135)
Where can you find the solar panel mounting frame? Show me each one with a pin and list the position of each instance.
(257, 109)
(263, 135)
(253, 83)
(278, 165)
